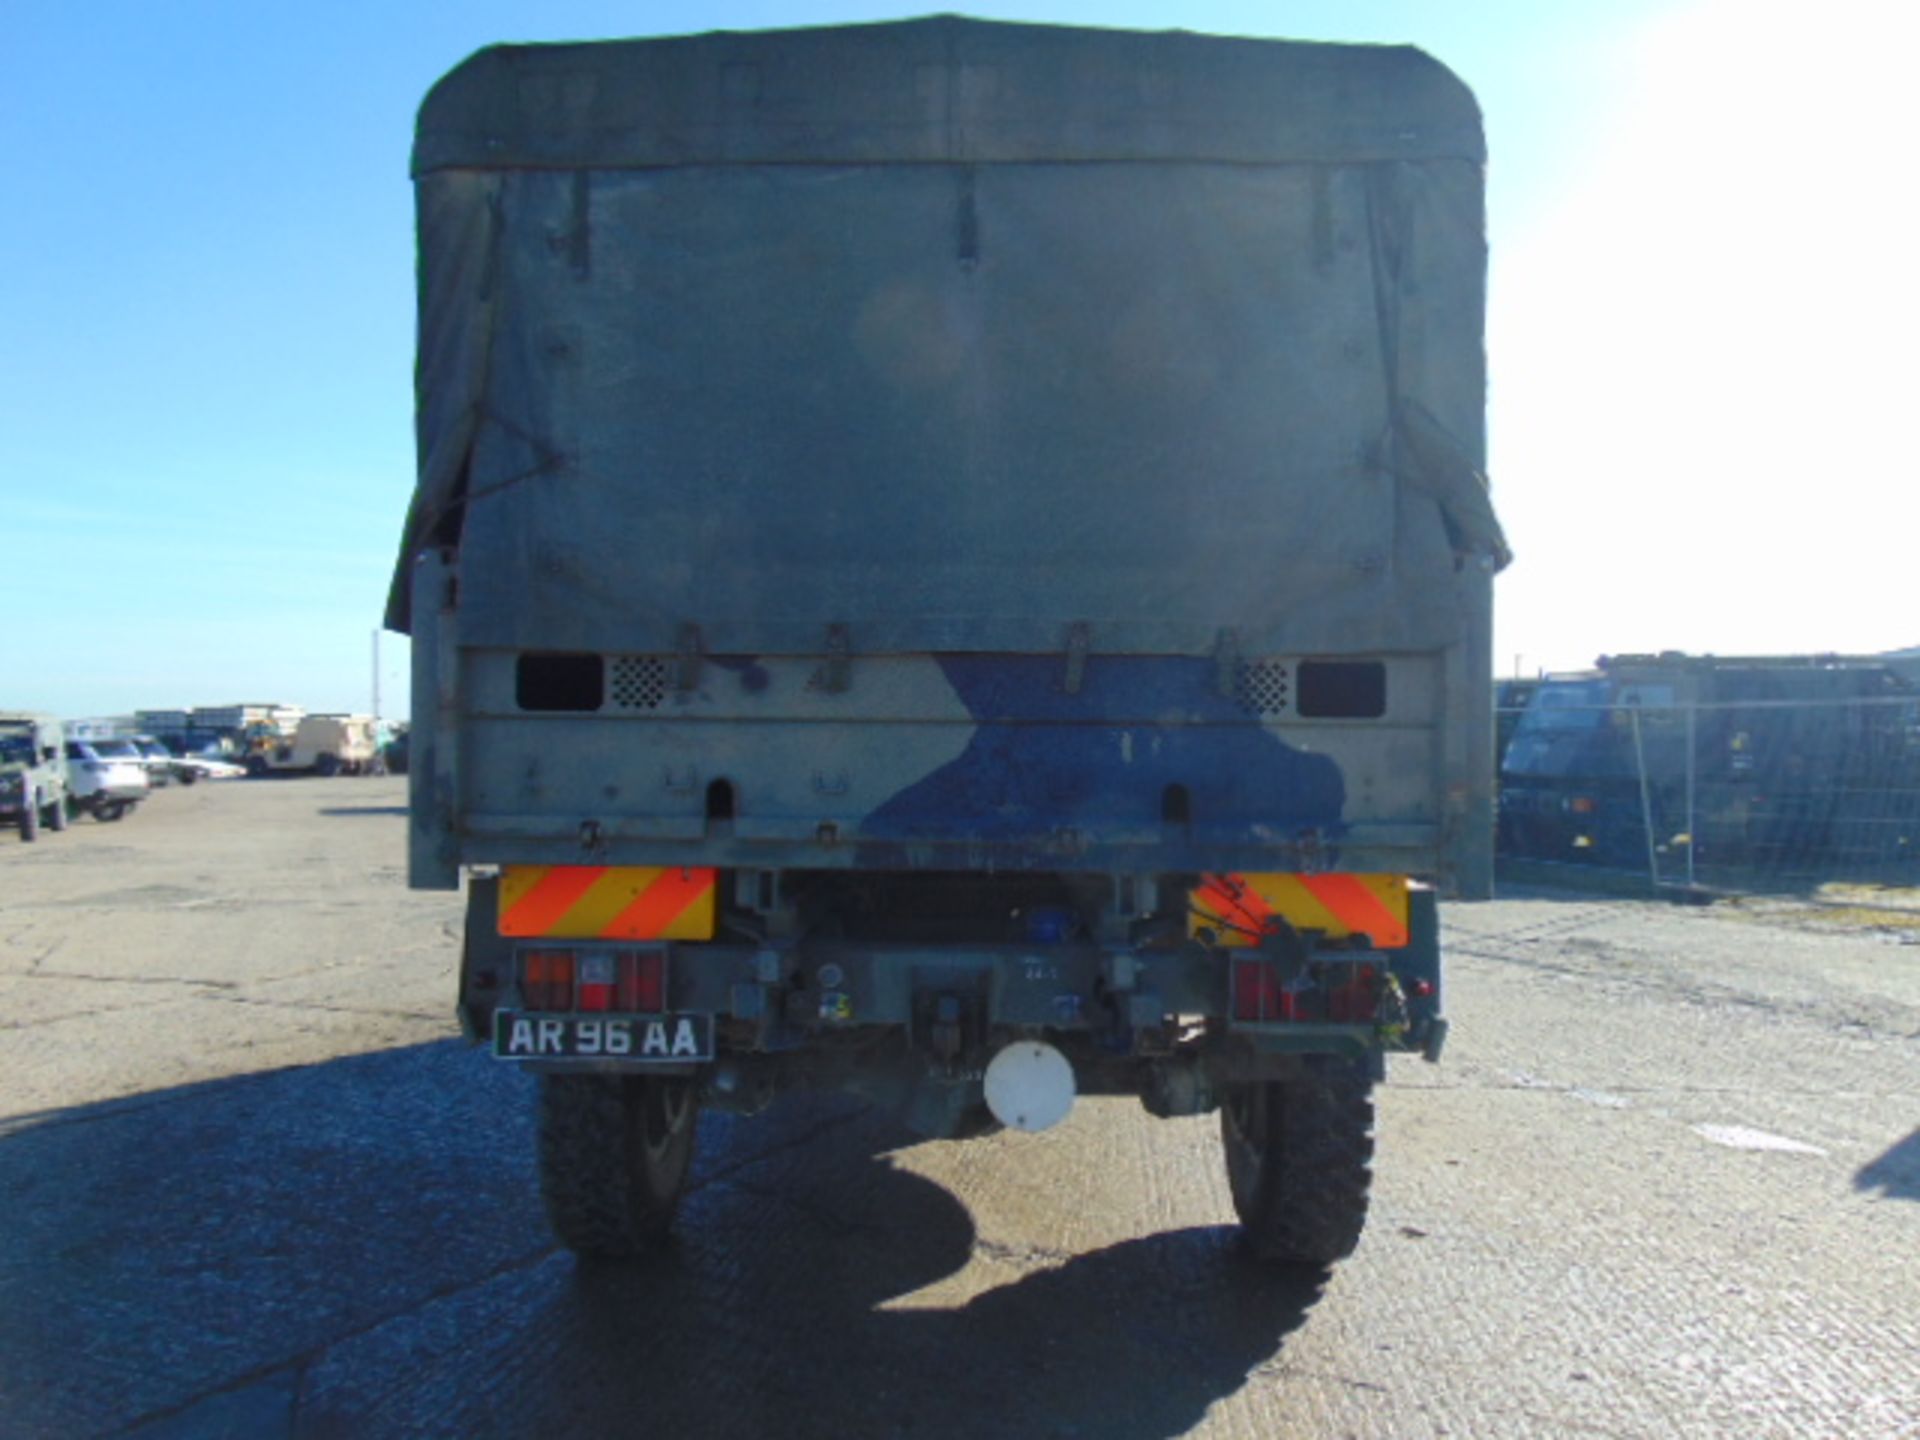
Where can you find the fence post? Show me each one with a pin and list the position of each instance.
(1646, 802)
(1693, 832)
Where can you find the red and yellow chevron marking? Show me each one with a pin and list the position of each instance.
(1237, 907)
(607, 902)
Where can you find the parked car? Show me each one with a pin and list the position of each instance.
(33, 782)
(156, 757)
(103, 780)
(191, 769)
(120, 747)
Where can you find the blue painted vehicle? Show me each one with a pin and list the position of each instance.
(950, 560)
(1798, 764)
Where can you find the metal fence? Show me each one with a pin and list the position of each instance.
(1749, 794)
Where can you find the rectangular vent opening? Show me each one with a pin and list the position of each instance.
(1340, 690)
(559, 681)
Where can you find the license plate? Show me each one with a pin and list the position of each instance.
(660, 1039)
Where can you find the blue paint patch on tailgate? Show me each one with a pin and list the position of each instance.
(753, 675)
(1044, 760)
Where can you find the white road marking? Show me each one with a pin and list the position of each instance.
(1739, 1137)
(1601, 1098)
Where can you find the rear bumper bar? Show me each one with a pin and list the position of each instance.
(948, 998)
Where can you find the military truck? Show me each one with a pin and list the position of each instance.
(1791, 763)
(33, 772)
(950, 560)
(318, 745)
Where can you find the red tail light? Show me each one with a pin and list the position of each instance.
(629, 981)
(643, 981)
(1356, 1000)
(546, 981)
(1251, 980)
(1345, 994)
(596, 981)
(1257, 994)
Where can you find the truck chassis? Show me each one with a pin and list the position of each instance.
(846, 982)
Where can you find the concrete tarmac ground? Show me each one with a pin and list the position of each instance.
(1665, 1182)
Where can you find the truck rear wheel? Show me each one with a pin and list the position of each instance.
(1299, 1158)
(29, 817)
(56, 816)
(615, 1151)
(327, 765)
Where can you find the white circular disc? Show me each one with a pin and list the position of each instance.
(1029, 1086)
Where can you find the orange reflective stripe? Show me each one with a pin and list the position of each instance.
(653, 911)
(545, 905)
(1241, 908)
(1228, 898)
(616, 902)
(1356, 907)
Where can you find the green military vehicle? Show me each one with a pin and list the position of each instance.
(33, 772)
(950, 561)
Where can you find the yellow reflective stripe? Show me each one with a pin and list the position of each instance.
(1309, 902)
(535, 900)
(626, 902)
(604, 901)
(677, 905)
(1288, 895)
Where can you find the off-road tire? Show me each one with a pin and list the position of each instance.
(111, 810)
(1299, 1156)
(615, 1151)
(327, 766)
(29, 818)
(57, 815)
(257, 767)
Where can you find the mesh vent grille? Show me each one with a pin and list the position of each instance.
(638, 682)
(1263, 687)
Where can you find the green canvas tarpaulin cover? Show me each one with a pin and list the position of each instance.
(956, 334)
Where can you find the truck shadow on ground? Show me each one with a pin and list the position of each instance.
(1896, 1174)
(804, 1297)
(1137, 1339)
(356, 1248)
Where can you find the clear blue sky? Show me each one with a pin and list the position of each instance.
(1703, 304)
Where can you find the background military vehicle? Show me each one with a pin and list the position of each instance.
(33, 772)
(320, 744)
(950, 560)
(1795, 763)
